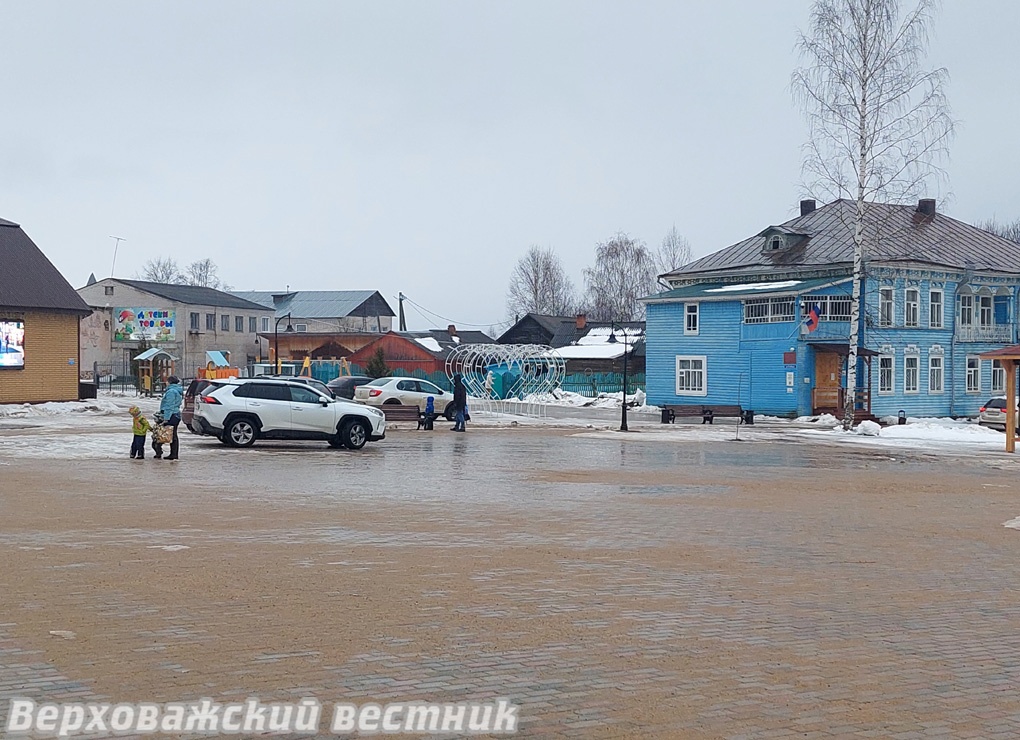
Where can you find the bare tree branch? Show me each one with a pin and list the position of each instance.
(162, 270)
(674, 252)
(624, 271)
(539, 284)
(1009, 230)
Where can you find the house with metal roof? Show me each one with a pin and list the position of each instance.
(39, 315)
(765, 322)
(325, 311)
(188, 321)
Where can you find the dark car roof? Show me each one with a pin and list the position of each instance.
(348, 378)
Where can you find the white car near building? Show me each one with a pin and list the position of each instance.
(239, 411)
(406, 392)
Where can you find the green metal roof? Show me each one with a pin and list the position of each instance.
(730, 291)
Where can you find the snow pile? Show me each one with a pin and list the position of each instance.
(98, 407)
(823, 420)
(560, 397)
(868, 429)
(943, 430)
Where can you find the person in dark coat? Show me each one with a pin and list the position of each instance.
(459, 403)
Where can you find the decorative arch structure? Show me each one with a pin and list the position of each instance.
(508, 378)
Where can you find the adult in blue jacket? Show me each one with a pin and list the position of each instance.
(170, 410)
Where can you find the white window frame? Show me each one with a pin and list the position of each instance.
(890, 389)
(973, 372)
(703, 359)
(939, 373)
(967, 310)
(998, 378)
(265, 324)
(300, 327)
(907, 389)
(986, 310)
(911, 308)
(936, 319)
(688, 315)
(886, 306)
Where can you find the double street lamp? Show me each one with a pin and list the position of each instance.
(613, 340)
(276, 339)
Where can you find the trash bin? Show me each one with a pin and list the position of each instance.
(86, 390)
(749, 416)
(665, 416)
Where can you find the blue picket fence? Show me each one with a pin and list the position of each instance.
(584, 384)
(596, 383)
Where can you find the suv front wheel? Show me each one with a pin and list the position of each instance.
(354, 434)
(240, 433)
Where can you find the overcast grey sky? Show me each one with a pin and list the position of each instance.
(423, 146)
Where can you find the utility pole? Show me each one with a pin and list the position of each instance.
(403, 323)
(116, 244)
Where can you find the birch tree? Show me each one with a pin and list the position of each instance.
(539, 284)
(624, 271)
(879, 123)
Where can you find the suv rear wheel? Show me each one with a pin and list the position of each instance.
(354, 434)
(241, 432)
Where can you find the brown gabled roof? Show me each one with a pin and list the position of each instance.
(28, 280)
(897, 234)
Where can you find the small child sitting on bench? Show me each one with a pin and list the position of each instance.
(427, 421)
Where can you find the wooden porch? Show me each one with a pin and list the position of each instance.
(829, 395)
(833, 401)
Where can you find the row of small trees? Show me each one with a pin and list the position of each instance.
(625, 269)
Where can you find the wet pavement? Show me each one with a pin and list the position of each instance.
(618, 587)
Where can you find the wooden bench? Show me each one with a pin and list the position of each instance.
(399, 412)
(706, 411)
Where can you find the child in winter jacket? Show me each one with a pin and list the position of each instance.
(140, 428)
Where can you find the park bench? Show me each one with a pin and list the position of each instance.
(399, 412)
(707, 412)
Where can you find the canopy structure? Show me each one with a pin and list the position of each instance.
(151, 354)
(216, 358)
(1010, 358)
(155, 365)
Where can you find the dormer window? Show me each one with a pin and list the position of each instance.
(775, 242)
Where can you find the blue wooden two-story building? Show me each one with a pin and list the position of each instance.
(736, 326)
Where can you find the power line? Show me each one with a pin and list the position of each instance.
(452, 321)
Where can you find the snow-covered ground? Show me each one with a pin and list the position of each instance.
(81, 429)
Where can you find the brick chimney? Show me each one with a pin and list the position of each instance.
(926, 206)
(452, 330)
(581, 321)
(806, 207)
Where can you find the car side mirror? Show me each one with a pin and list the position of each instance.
(325, 402)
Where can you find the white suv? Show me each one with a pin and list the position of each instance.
(239, 411)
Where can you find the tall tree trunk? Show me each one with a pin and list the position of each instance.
(858, 271)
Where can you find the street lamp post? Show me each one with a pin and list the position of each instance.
(276, 339)
(612, 340)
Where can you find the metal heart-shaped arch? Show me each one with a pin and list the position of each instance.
(526, 373)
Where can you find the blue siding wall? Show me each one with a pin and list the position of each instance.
(745, 364)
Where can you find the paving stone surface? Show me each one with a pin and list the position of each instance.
(612, 588)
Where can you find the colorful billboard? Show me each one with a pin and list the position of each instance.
(150, 324)
(12, 343)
